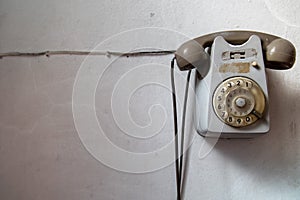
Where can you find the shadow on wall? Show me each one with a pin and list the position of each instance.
(274, 157)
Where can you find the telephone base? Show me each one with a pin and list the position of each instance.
(232, 99)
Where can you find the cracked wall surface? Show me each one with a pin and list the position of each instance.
(42, 156)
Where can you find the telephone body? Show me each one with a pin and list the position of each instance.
(231, 88)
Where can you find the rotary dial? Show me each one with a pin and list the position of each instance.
(239, 101)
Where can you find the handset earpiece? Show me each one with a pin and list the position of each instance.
(280, 54)
(191, 55)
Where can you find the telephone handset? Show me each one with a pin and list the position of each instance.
(231, 87)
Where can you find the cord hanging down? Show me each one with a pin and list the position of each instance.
(183, 120)
(179, 157)
(177, 169)
(92, 53)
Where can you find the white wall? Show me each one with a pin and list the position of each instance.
(41, 154)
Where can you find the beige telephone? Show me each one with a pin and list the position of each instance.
(231, 88)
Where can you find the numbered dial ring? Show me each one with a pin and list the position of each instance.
(239, 101)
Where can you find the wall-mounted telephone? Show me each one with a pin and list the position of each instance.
(231, 87)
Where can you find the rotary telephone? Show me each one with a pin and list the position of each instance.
(231, 87)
